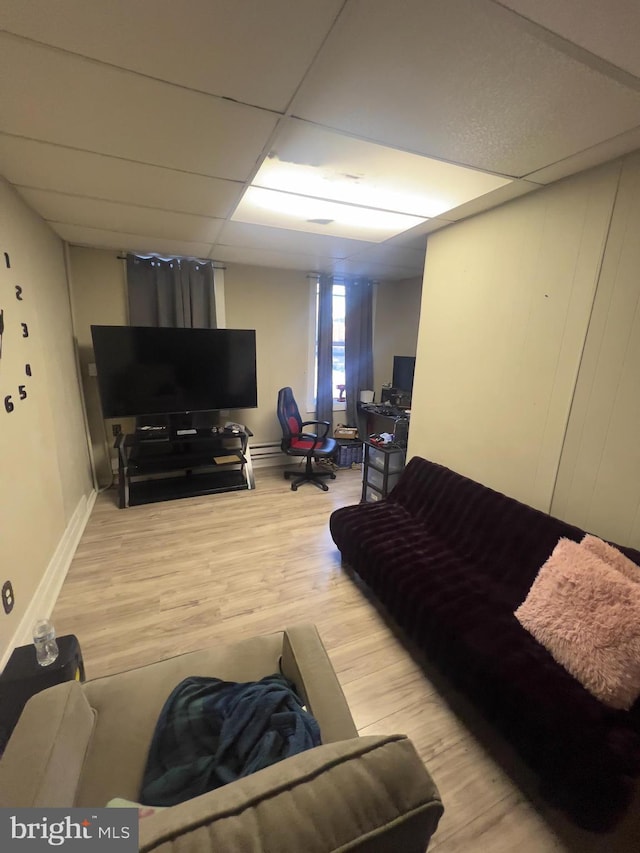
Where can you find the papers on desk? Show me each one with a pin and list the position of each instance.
(228, 457)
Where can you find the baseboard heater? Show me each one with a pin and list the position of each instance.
(266, 453)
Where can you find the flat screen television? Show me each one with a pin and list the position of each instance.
(159, 371)
(403, 369)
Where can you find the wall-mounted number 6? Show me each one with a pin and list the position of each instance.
(8, 404)
(22, 391)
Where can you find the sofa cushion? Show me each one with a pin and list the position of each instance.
(127, 704)
(502, 538)
(587, 614)
(117, 756)
(365, 794)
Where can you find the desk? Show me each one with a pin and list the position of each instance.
(374, 418)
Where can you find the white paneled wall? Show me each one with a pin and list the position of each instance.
(598, 483)
(506, 302)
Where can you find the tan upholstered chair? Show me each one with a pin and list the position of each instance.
(85, 744)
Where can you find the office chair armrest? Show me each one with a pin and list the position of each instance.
(325, 424)
(308, 436)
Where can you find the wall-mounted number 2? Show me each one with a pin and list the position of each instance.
(18, 293)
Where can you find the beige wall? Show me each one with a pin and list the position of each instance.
(98, 287)
(276, 304)
(506, 302)
(44, 461)
(395, 332)
(598, 484)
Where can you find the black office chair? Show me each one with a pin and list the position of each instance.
(296, 441)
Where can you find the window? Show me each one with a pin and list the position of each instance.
(338, 343)
(338, 379)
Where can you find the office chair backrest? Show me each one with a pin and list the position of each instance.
(288, 415)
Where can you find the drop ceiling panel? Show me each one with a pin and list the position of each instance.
(376, 271)
(623, 144)
(463, 81)
(80, 103)
(493, 199)
(271, 258)
(610, 30)
(112, 216)
(78, 235)
(40, 165)
(281, 239)
(251, 51)
(391, 256)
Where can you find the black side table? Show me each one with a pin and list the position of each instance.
(23, 677)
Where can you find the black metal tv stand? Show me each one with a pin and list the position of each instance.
(182, 463)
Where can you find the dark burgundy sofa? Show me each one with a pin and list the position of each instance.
(451, 559)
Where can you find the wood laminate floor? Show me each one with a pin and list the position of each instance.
(168, 578)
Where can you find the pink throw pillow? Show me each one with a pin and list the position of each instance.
(587, 615)
(612, 556)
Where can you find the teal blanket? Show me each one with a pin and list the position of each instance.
(211, 732)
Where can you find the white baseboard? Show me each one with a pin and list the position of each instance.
(49, 587)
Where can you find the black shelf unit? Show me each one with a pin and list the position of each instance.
(180, 466)
(382, 465)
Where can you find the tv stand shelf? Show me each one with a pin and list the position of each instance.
(181, 466)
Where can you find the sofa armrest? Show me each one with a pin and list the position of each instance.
(365, 794)
(306, 663)
(43, 760)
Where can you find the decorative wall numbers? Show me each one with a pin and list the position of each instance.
(15, 363)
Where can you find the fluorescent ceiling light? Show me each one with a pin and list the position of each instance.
(319, 216)
(349, 188)
(367, 191)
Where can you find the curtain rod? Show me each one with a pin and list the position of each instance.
(341, 278)
(175, 258)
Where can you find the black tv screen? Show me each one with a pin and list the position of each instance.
(148, 371)
(403, 370)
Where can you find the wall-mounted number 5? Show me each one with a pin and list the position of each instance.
(22, 391)
(8, 404)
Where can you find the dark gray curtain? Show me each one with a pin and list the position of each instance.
(358, 343)
(174, 292)
(324, 398)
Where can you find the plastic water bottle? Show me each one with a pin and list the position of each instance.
(44, 639)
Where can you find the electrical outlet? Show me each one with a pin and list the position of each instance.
(116, 429)
(7, 597)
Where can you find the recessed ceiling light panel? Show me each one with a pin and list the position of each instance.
(319, 216)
